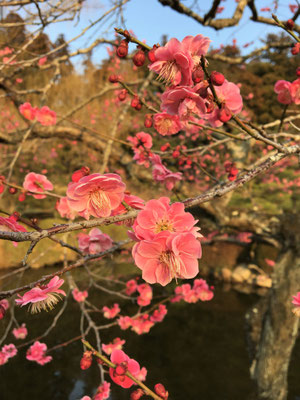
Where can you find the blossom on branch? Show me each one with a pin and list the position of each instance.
(37, 183)
(94, 242)
(37, 353)
(162, 174)
(123, 364)
(43, 297)
(21, 332)
(117, 344)
(111, 312)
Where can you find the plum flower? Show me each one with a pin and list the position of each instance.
(28, 111)
(10, 350)
(94, 242)
(37, 352)
(111, 312)
(45, 116)
(117, 344)
(123, 364)
(96, 195)
(9, 224)
(21, 332)
(64, 209)
(145, 294)
(79, 296)
(131, 287)
(124, 322)
(295, 91)
(103, 391)
(168, 256)
(4, 305)
(296, 302)
(159, 216)
(141, 324)
(162, 174)
(159, 314)
(37, 183)
(167, 124)
(43, 297)
(283, 90)
(142, 143)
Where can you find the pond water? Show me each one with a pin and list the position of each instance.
(199, 351)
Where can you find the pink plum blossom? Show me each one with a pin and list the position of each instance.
(141, 324)
(37, 352)
(159, 314)
(162, 174)
(28, 111)
(123, 364)
(95, 242)
(111, 312)
(197, 46)
(45, 116)
(37, 183)
(21, 332)
(10, 350)
(3, 358)
(295, 91)
(79, 296)
(183, 101)
(64, 209)
(4, 304)
(283, 90)
(145, 294)
(124, 322)
(96, 195)
(103, 391)
(168, 256)
(9, 224)
(43, 297)
(131, 287)
(159, 216)
(117, 344)
(141, 376)
(142, 143)
(200, 291)
(167, 124)
(296, 302)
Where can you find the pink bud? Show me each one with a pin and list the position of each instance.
(290, 24)
(217, 78)
(161, 391)
(139, 58)
(137, 394)
(80, 173)
(151, 54)
(113, 78)
(224, 114)
(198, 75)
(122, 95)
(148, 121)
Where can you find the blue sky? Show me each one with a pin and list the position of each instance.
(150, 20)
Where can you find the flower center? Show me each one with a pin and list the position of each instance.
(100, 201)
(164, 225)
(168, 72)
(169, 259)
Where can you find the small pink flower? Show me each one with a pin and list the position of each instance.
(96, 195)
(203, 291)
(145, 297)
(37, 352)
(124, 322)
(21, 332)
(183, 101)
(159, 216)
(283, 89)
(123, 364)
(159, 314)
(28, 111)
(37, 183)
(141, 324)
(141, 376)
(117, 344)
(94, 242)
(79, 296)
(4, 304)
(10, 350)
(45, 116)
(142, 143)
(295, 91)
(3, 358)
(168, 256)
(43, 297)
(42, 61)
(64, 209)
(111, 312)
(162, 174)
(167, 124)
(131, 287)
(103, 391)
(296, 302)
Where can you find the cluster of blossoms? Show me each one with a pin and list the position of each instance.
(288, 92)
(43, 115)
(167, 242)
(189, 96)
(43, 297)
(37, 353)
(199, 291)
(117, 344)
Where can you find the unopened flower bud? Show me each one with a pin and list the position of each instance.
(12, 190)
(165, 147)
(135, 103)
(122, 49)
(113, 78)
(198, 75)
(175, 154)
(161, 391)
(148, 121)
(217, 78)
(224, 114)
(151, 54)
(86, 360)
(122, 95)
(296, 49)
(290, 24)
(22, 196)
(139, 58)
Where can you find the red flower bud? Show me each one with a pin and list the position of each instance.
(165, 147)
(80, 173)
(122, 49)
(224, 114)
(296, 49)
(1, 188)
(148, 121)
(198, 75)
(137, 394)
(135, 103)
(290, 24)
(161, 391)
(175, 154)
(113, 78)
(151, 54)
(298, 71)
(138, 106)
(22, 196)
(122, 95)
(139, 58)
(86, 360)
(217, 78)
(12, 190)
